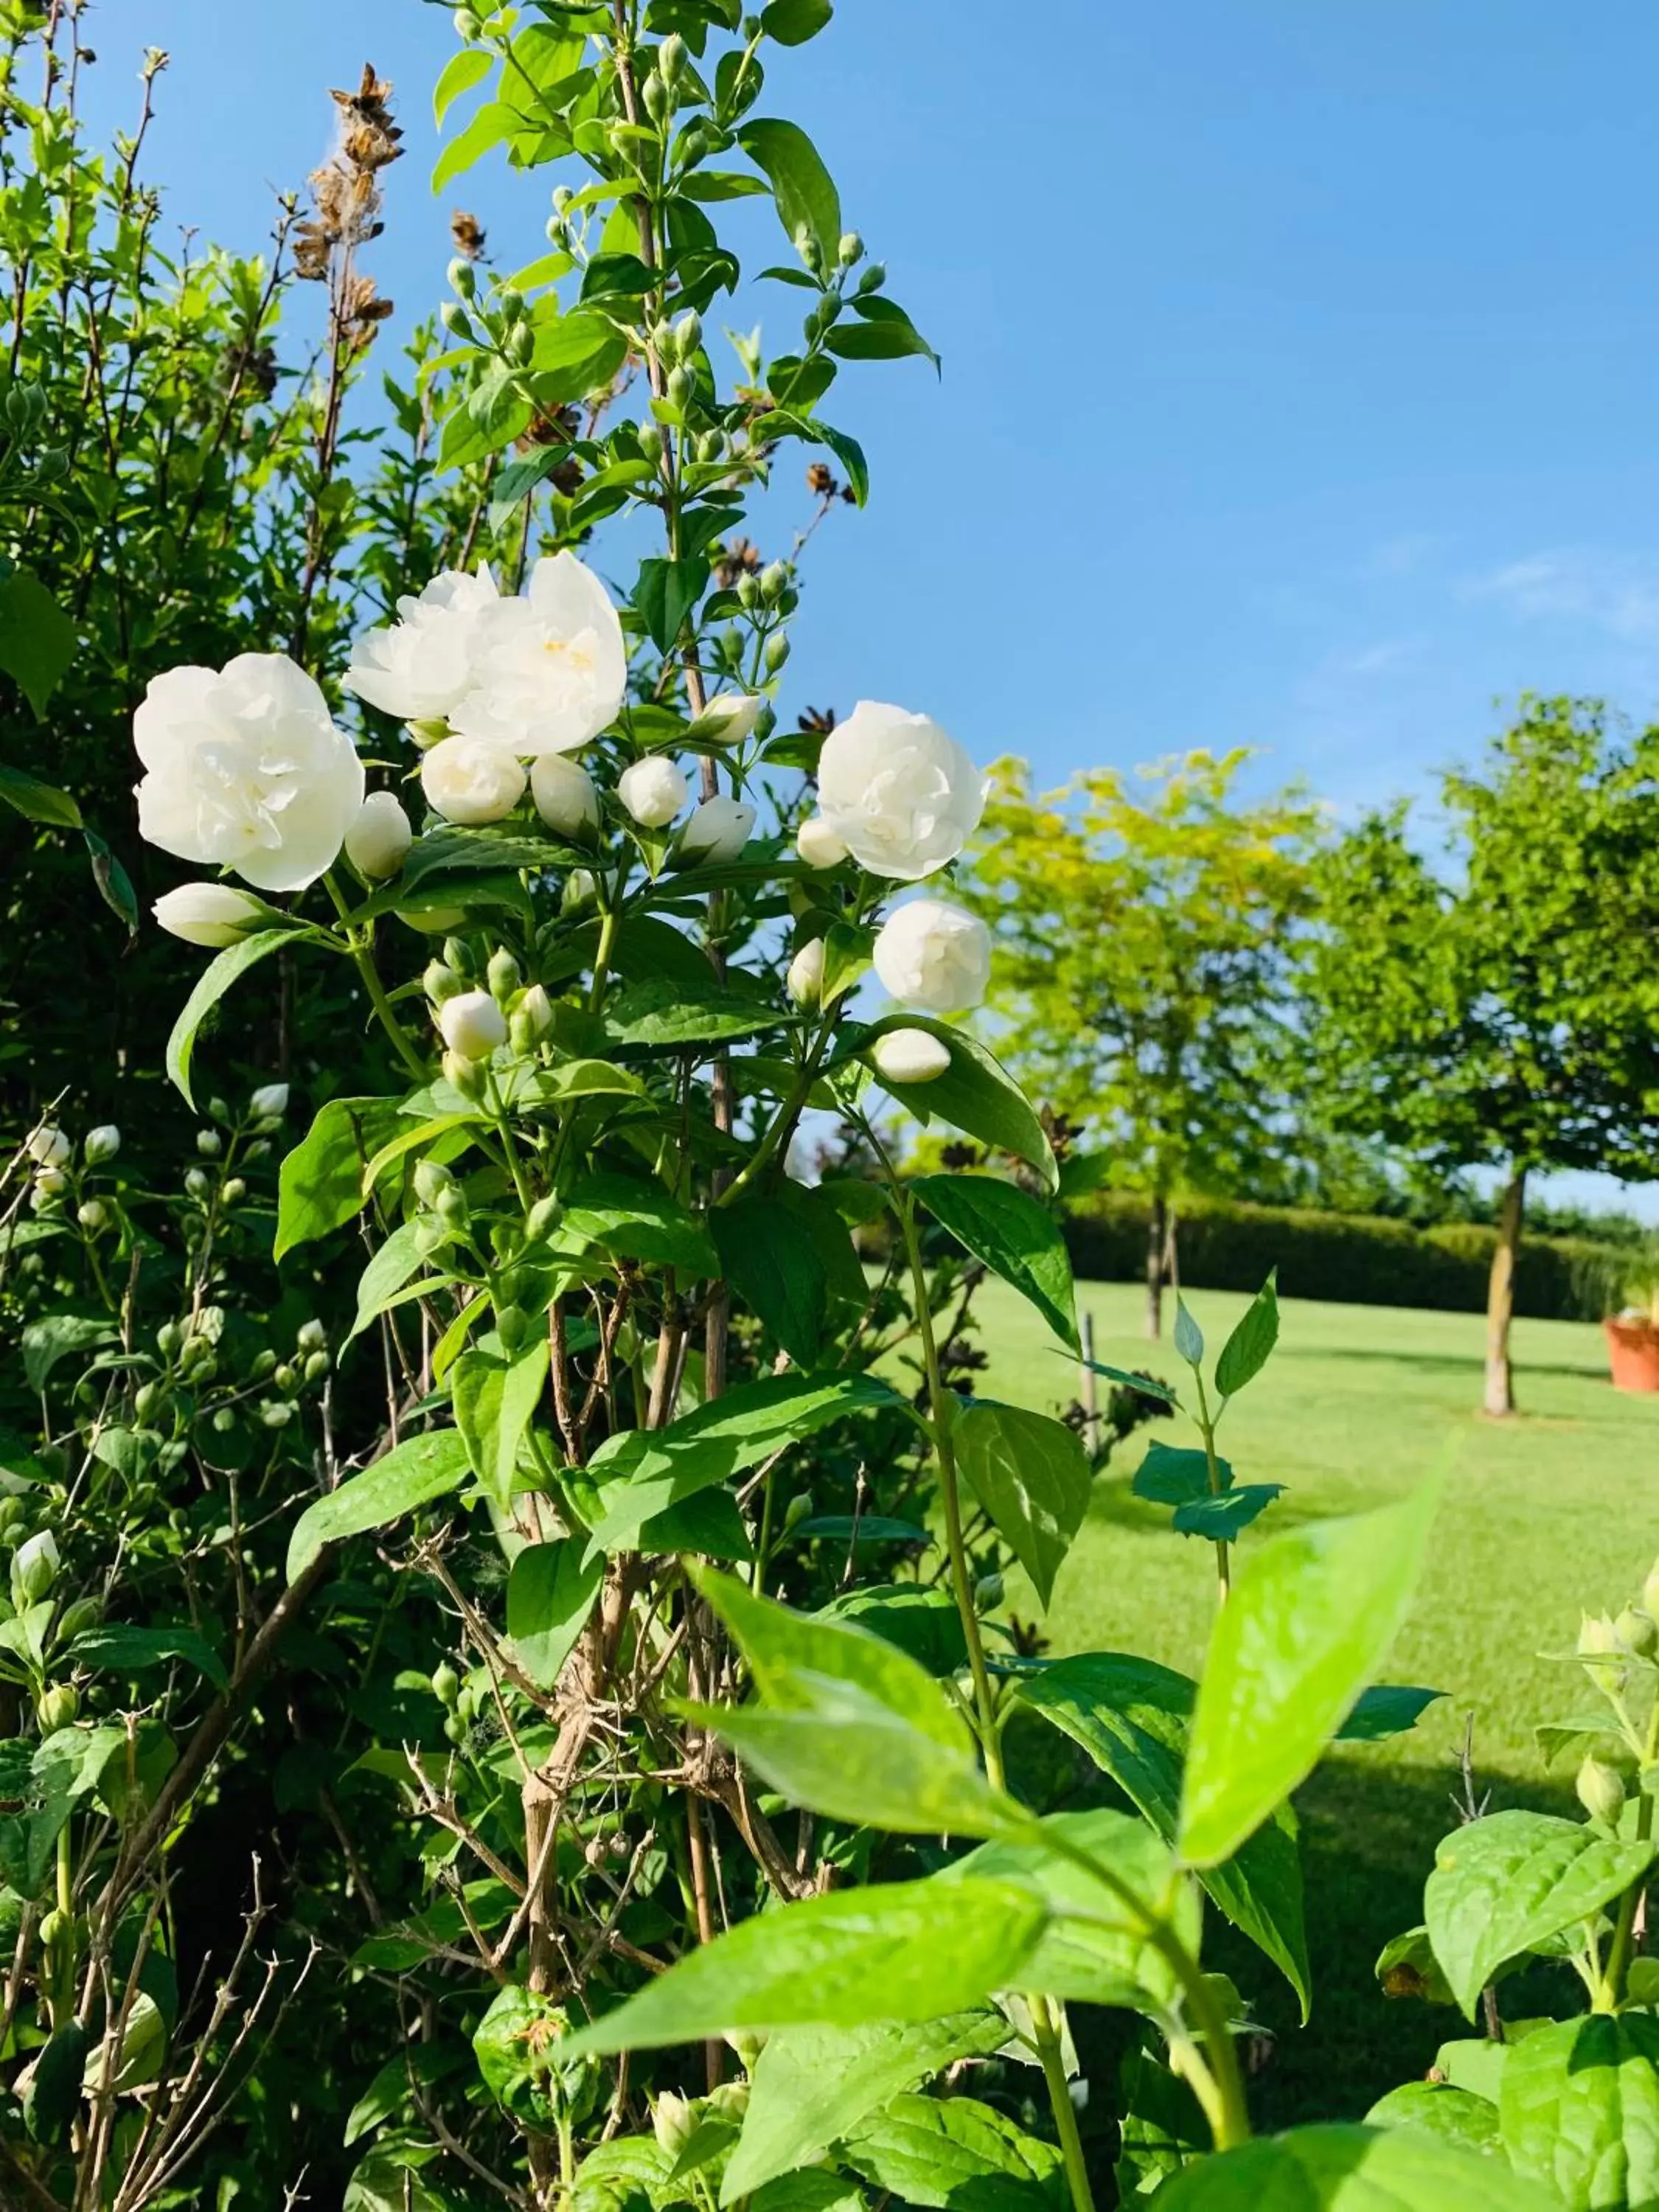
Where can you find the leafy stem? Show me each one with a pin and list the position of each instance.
(1223, 1555)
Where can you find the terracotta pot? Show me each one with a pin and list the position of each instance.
(1634, 1349)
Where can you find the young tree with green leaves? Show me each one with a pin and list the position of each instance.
(1143, 977)
(1497, 1010)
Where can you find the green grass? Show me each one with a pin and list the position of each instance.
(1550, 1514)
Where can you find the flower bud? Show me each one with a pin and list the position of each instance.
(988, 1593)
(502, 975)
(198, 1185)
(430, 1235)
(909, 1056)
(681, 385)
(471, 780)
(102, 1143)
(535, 1009)
(275, 1413)
(1637, 1632)
(467, 1076)
(34, 1569)
(717, 832)
(729, 717)
(1601, 1791)
(284, 1377)
(776, 652)
(451, 1209)
(57, 1708)
(652, 790)
(269, 1102)
(77, 1617)
(49, 1147)
(210, 1144)
(512, 1326)
(709, 448)
(688, 334)
(440, 983)
(799, 1509)
(379, 839)
(671, 58)
(873, 277)
(472, 1025)
(454, 317)
(565, 795)
(673, 2123)
(774, 581)
(658, 99)
(461, 956)
(1651, 1593)
(463, 277)
(541, 1220)
(446, 1685)
(263, 1363)
(579, 889)
(804, 980)
(213, 914)
(432, 1179)
(749, 592)
(234, 1191)
(850, 250)
(54, 1928)
(316, 1366)
(93, 1216)
(651, 441)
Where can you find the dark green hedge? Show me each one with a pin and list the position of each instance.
(1357, 1259)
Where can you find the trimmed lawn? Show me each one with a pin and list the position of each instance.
(1550, 1514)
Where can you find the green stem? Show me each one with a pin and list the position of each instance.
(602, 959)
(1046, 2036)
(1624, 1927)
(1224, 1557)
(515, 1165)
(783, 1125)
(362, 959)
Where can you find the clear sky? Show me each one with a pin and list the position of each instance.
(1301, 362)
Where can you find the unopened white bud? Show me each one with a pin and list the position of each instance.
(102, 1143)
(817, 844)
(378, 839)
(910, 1056)
(565, 795)
(472, 1025)
(717, 832)
(652, 790)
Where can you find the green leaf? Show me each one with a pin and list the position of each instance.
(846, 450)
(811, 2085)
(1032, 1476)
(459, 73)
(1176, 1474)
(1386, 1709)
(1406, 1967)
(1095, 1950)
(225, 969)
(975, 1093)
(412, 1475)
(120, 1649)
(57, 1336)
(884, 332)
(1147, 1386)
(550, 1595)
(1503, 1885)
(1579, 2111)
(792, 23)
(1352, 2169)
(1455, 2116)
(922, 1622)
(1222, 1520)
(802, 188)
(1132, 1717)
(954, 2151)
(320, 1186)
(494, 122)
(642, 1473)
(664, 595)
(1016, 1237)
(632, 1218)
(38, 641)
(895, 1951)
(665, 1011)
(53, 2095)
(397, 1263)
(114, 884)
(37, 801)
(1245, 1353)
(772, 1262)
(1189, 1336)
(495, 1399)
(1310, 1618)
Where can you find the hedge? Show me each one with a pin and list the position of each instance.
(1354, 1258)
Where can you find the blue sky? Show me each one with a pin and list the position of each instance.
(1301, 362)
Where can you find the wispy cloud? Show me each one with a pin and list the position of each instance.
(1617, 594)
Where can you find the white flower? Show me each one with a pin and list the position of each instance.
(471, 780)
(247, 770)
(729, 717)
(804, 980)
(49, 1147)
(564, 794)
(910, 1056)
(102, 1143)
(817, 844)
(550, 671)
(34, 1567)
(903, 797)
(50, 1182)
(717, 832)
(472, 1025)
(215, 915)
(420, 667)
(377, 841)
(269, 1102)
(652, 790)
(935, 956)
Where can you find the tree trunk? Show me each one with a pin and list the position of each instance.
(1157, 1222)
(1500, 1297)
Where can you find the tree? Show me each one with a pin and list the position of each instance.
(1499, 1012)
(1144, 934)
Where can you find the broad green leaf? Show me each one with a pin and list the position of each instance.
(1245, 1353)
(54, 2095)
(1579, 2111)
(1352, 2169)
(1406, 1967)
(397, 1263)
(1503, 1885)
(390, 2090)
(1032, 1476)
(1016, 1237)
(459, 73)
(1386, 1709)
(666, 592)
(494, 122)
(771, 1260)
(955, 2151)
(709, 1524)
(320, 1186)
(1310, 1618)
(225, 969)
(1222, 1520)
(1145, 1386)
(975, 1093)
(120, 1649)
(922, 1621)
(803, 189)
(1455, 2116)
(60, 1336)
(550, 1595)
(1161, 2127)
(400, 1140)
(641, 1472)
(811, 2085)
(1131, 1716)
(36, 801)
(38, 641)
(412, 1475)
(883, 331)
(1176, 1474)
(665, 1011)
(792, 23)
(495, 1399)
(897, 1951)
(1095, 1950)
